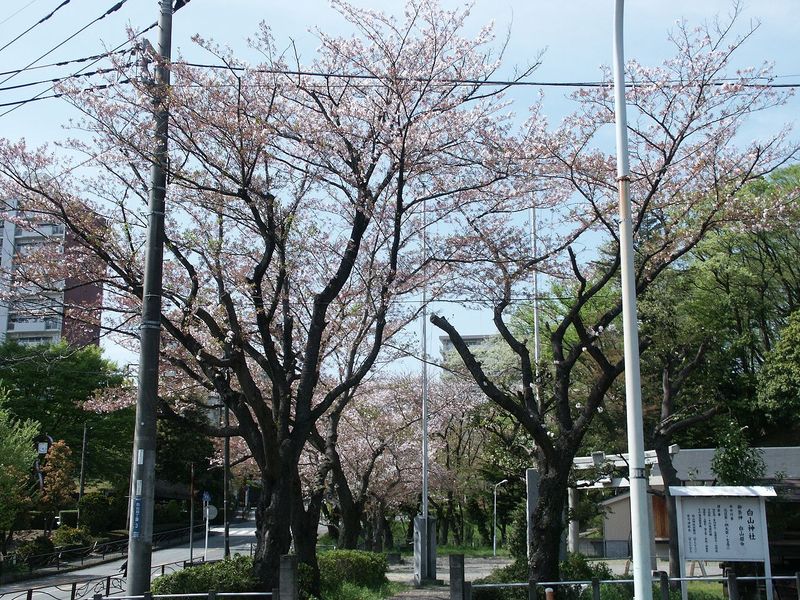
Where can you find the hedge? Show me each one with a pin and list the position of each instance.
(338, 568)
(367, 569)
(230, 575)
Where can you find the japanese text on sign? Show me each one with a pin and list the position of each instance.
(724, 528)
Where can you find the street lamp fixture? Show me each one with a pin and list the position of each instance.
(494, 520)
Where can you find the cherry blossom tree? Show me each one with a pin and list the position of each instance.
(690, 160)
(294, 218)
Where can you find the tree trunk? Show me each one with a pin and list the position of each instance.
(273, 516)
(304, 530)
(548, 523)
(350, 524)
(388, 536)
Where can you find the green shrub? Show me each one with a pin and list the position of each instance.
(168, 513)
(367, 569)
(71, 536)
(575, 568)
(35, 553)
(230, 575)
(513, 573)
(68, 517)
(101, 512)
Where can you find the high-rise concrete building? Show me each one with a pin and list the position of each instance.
(39, 312)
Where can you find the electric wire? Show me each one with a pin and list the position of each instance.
(468, 82)
(40, 96)
(65, 62)
(35, 25)
(60, 79)
(16, 12)
(111, 10)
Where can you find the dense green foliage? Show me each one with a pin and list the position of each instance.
(735, 462)
(50, 383)
(232, 575)
(17, 454)
(102, 512)
(71, 536)
(36, 552)
(779, 379)
(345, 575)
(357, 567)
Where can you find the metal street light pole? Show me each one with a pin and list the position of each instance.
(494, 520)
(82, 479)
(140, 540)
(191, 512)
(226, 483)
(640, 528)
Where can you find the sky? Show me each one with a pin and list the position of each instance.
(575, 37)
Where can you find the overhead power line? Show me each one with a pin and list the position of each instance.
(479, 82)
(41, 95)
(16, 12)
(60, 79)
(35, 25)
(111, 10)
(95, 59)
(66, 62)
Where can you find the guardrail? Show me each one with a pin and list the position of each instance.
(70, 558)
(463, 590)
(113, 586)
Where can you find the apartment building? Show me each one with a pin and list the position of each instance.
(34, 312)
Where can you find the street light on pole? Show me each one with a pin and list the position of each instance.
(640, 526)
(494, 520)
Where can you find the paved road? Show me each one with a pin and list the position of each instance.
(89, 580)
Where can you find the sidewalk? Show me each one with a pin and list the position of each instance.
(474, 568)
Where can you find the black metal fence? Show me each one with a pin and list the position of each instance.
(114, 586)
(66, 559)
(785, 587)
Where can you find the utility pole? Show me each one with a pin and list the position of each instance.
(424, 525)
(226, 453)
(82, 479)
(140, 540)
(191, 512)
(640, 528)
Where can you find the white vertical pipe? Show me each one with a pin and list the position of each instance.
(642, 578)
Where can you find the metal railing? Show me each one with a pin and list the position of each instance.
(70, 558)
(207, 595)
(462, 589)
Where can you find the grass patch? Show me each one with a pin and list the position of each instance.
(709, 589)
(479, 552)
(350, 591)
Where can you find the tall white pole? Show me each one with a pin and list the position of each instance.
(642, 578)
(494, 518)
(424, 367)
